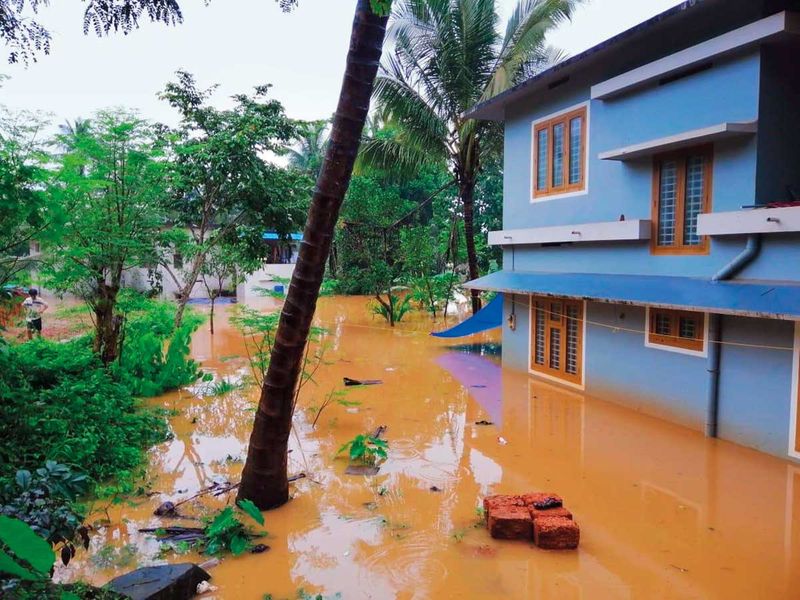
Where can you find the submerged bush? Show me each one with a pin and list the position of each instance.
(58, 402)
(155, 356)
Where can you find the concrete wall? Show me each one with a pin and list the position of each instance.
(755, 383)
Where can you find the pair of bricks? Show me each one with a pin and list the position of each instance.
(537, 516)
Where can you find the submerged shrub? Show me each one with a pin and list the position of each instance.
(155, 355)
(58, 402)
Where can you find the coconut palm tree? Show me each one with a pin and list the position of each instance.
(264, 479)
(70, 132)
(310, 150)
(448, 56)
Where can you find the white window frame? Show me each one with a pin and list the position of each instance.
(533, 198)
(795, 391)
(699, 353)
(577, 386)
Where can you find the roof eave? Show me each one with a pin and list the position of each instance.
(494, 108)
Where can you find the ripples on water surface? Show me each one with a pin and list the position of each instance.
(664, 512)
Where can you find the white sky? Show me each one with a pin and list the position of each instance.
(238, 44)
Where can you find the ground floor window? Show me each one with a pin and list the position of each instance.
(557, 338)
(678, 329)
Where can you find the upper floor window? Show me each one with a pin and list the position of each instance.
(559, 154)
(681, 192)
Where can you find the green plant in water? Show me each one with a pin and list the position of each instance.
(393, 307)
(334, 397)
(224, 386)
(366, 448)
(258, 330)
(227, 533)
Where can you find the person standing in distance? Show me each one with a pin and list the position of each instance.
(34, 307)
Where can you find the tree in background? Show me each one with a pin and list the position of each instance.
(312, 139)
(447, 57)
(26, 212)
(25, 37)
(225, 265)
(222, 189)
(264, 479)
(110, 186)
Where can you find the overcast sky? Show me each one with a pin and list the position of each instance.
(238, 44)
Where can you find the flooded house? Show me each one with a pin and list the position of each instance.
(652, 221)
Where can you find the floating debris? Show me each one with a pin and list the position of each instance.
(352, 382)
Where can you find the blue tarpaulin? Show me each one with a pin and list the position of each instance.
(749, 298)
(271, 235)
(489, 317)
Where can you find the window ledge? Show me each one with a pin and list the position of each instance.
(613, 231)
(686, 139)
(758, 220)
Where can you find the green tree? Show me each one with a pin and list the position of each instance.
(222, 189)
(309, 153)
(110, 186)
(225, 265)
(264, 479)
(26, 212)
(447, 57)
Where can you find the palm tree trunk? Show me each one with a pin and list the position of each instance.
(264, 479)
(467, 192)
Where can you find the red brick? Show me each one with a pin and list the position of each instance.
(556, 533)
(560, 511)
(491, 502)
(531, 498)
(510, 523)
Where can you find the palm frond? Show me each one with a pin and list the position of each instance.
(400, 157)
(524, 41)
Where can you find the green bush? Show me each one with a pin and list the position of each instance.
(155, 356)
(58, 402)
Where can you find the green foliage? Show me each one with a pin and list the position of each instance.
(381, 7)
(333, 397)
(59, 403)
(225, 532)
(223, 386)
(221, 187)
(45, 501)
(392, 308)
(26, 211)
(34, 557)
(258, 330)
(366, 449)
(110, 182)
(447, 57)
(155, 354)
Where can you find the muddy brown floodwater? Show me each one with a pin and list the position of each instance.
(664, 512)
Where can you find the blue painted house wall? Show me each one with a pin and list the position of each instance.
(755, 384)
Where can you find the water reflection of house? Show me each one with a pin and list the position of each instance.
(652, 186)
